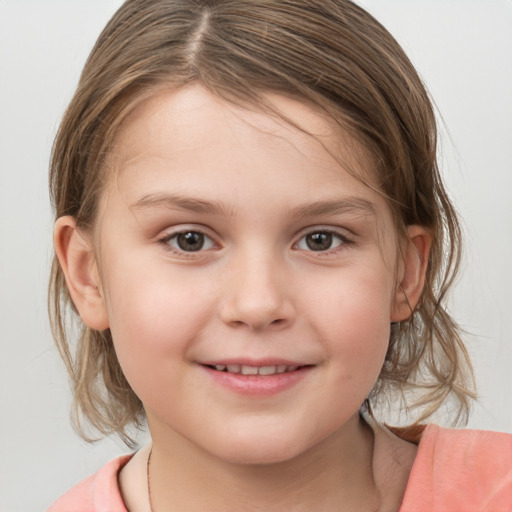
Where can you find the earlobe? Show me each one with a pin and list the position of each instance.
(413, 273)
(78, 262)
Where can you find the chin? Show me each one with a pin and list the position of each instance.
(260, 449)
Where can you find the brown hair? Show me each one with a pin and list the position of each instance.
(330, 53)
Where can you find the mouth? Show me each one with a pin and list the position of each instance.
(257, 379)
(242, 369)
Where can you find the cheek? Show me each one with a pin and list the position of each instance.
(154, 298)
(154, 319)
(352, 317)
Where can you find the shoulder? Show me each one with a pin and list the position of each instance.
(98, 493)
(461, 470)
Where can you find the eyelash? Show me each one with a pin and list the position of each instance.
(166, 241)
(342, 239)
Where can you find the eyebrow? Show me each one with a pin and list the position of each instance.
(193, 204)
(354, 204)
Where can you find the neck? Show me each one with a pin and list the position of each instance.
(338, 470)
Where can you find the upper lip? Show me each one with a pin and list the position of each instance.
(258, 363)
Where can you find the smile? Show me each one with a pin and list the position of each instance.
(257, 380)
(254, 370)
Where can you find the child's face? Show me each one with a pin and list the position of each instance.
(228, 238)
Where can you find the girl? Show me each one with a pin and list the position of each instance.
(253, 231)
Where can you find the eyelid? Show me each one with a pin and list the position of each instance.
(171, 233)
(345, 239)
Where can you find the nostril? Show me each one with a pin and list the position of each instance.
(239, 311)
(237, 323)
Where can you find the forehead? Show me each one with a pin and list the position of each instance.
(173, 122)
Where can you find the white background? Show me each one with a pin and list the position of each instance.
(463, 50)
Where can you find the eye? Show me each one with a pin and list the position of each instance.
(320, 241)
(189, 241)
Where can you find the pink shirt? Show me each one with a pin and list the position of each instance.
(460, 471)
(454, 471)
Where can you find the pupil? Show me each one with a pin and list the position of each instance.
(190, 241)
(319, 241)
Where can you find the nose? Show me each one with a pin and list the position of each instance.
(257, 295)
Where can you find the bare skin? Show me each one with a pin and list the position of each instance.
(376, 483)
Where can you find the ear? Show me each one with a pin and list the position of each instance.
(78, 262)
(412, 272)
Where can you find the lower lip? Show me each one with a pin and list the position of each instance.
(258, 385)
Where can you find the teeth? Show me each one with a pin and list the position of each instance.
(255, 370)
(249, 370)
(267, 370)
